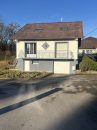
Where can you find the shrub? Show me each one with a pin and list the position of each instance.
(88, 64)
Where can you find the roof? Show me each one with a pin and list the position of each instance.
(89, 43)
(50, 31)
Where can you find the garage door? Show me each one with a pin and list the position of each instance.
(61, 67)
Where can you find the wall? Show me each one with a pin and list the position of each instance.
(20, 64)
(57, 67)
(73, 67)
(72, 48)
(41, 66)
(45, 53)
(20, 49)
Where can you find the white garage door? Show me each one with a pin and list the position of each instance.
(61, 67)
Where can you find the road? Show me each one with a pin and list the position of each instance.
(53, 103)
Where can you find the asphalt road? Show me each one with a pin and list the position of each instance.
(54, 103)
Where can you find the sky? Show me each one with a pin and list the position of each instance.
(32, 11)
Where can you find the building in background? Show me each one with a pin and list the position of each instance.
(88, 46)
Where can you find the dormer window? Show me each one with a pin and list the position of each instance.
(38, 29)
(64, 28)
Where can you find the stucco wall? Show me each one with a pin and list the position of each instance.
(73, 48)
(44, 53)
(20, 64)
(73, 67)
(20, 49)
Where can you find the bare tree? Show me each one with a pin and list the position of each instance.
(6, 33)
(2, 31)
(11, 29)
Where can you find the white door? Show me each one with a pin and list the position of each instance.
(61, 50)
(27, 65)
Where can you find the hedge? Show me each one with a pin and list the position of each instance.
(88, 64)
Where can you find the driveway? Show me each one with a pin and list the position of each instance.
(53, 103)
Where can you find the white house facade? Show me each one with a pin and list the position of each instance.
(50, 47)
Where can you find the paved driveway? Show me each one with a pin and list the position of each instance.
(54, 103)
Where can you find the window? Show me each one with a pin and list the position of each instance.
(64, 28)
(38, 29)
(30, 48)
(88, 51)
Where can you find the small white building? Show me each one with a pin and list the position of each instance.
(51, 47)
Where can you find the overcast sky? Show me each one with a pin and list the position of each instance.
(29, 11)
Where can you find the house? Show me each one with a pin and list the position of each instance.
(88, 46)
(51, 47)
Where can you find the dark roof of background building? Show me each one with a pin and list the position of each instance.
(50, 31)
(89, 43)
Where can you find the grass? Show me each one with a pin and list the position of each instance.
(7, 73)
(13, 74)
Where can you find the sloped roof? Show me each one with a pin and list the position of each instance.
(89, 43)
(50, 31)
